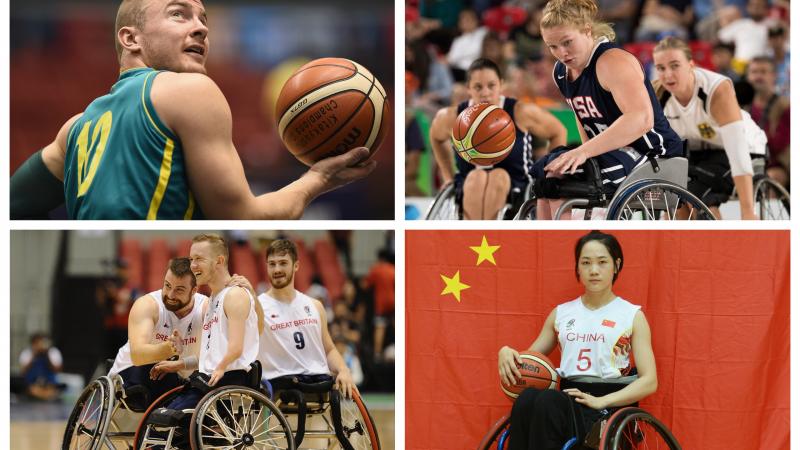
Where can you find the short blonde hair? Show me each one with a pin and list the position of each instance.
(131, 13)
(217, 242)
(673, 43)
(577, 13)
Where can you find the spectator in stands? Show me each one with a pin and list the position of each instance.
(771, 112)
(662, 18)
(414, 149)
(115, 298)
(621, 13)
(711, 15)
(722, 57)
(749, 34)
(40, 363)
(445, 11)
(351, 359)
(381, 280)
(343, 240)
(467, 46)
(779, 50)
(526, 39)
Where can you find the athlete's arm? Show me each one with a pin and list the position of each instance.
(644, 385)
(540, 122)
(726, 112)
(441, 129)
(236, 309)
(621, 74)
(196, 110)
(141, 324)
(336, 364)
(508, 358)
(36, 188)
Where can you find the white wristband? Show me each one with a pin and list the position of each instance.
(734, 139)
(190, 362)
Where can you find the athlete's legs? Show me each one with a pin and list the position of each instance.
(485, 192)
(540, 419)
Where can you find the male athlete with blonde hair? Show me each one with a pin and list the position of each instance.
(159, 144)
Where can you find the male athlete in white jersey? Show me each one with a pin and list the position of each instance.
(296, 340)
(163, 324)
(232, 320)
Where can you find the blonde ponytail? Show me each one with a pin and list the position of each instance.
(576, 13)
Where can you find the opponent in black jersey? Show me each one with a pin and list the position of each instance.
(484, 191)
(619, 117)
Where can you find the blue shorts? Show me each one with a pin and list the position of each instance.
(614, 166)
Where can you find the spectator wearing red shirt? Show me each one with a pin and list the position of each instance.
(771, 112)
(381, 280)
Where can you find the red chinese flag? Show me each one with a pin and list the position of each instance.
(717, 303)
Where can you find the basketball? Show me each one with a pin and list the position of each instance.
(537, 372)
(484, 134)
(330, 106)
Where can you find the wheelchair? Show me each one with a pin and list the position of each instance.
(226, 417)
(770, 198)
(446, 206)
(624, 428)
(654, 190)
(321, 417)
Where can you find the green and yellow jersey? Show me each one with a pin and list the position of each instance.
(122, 162)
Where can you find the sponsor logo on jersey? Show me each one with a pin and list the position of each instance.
(608, 323)
(273, 316)
(189, 329)
(308, 310)
(570, 324)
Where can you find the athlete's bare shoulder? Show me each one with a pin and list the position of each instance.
(187, 98)
(443, 122)
(55, 153)
(145, 307)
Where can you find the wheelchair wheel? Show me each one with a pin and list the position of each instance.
(444, 204)
(497, 436)
(353, 424)
(239, 417)
(636, 429)
(89, 418)
(771, 200)
(656, 200)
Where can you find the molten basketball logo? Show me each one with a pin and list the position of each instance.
(483, 134)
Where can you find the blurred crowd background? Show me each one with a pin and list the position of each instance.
(71, 292)
(747, 40)
(62, 57)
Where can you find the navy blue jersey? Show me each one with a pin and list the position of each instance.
(519, 162)
(596, 109)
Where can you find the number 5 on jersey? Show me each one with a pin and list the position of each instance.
(583, 357)
(103, 129)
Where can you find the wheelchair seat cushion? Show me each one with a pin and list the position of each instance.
(310, 384)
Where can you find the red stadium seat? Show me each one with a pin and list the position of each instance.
(243, 262)
(307, 268)
(503, 19)
(643, 51)
(158, 257)
(130, 250)
(182, 248)
(701, 54)
(330, 270)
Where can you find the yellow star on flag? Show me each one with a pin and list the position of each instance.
(485, 252)
(453, 285)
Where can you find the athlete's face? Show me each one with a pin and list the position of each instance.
(484, 86)
(177, 292)
(204, 261)
(570, 45)
(674, 69)
(281, 270)
(596, 267)
(175, 36)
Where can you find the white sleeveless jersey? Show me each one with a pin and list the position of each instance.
(292, 340)
(595, 343)
(214, 344)
(694, 123)
(189, 328)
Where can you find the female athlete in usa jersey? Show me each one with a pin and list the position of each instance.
(597, 333)
(619, 117)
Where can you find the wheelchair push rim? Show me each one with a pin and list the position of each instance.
(239, 417)
(656, 200)
(495, 434)
(636, 429)
(353, 423)
(141, 429)
(771, 200)
(89, 418)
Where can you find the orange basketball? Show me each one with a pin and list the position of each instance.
(330, 106)
(484, 134)
(537, 372)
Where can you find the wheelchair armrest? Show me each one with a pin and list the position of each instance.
(308, 387)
